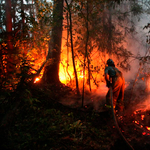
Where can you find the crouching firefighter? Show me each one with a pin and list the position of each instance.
(114, 79)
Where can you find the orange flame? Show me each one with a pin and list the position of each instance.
(148, 128)
(142, 117)
(137, 122)
(36, 80)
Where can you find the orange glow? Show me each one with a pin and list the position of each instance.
(81, 76)
(62, 77)
(144, 133)
(36, 80)
(137, 122)
(66, 69)
(67, 75)
(148, 128)
(142, 117)
(97, 60)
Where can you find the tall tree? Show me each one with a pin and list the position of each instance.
(51, 72)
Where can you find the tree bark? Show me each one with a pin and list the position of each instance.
(51, 72)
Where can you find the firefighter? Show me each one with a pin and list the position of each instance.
(115, 79)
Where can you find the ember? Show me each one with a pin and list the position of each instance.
(36, 80)
(148, 128)
(142, 120)
(137, 122)
(142, 117)
(144, 133)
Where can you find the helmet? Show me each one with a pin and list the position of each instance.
(110, 62)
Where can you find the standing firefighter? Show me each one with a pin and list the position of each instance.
(115, 79)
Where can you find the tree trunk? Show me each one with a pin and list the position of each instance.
(51, 72)
(10, 65)
(86, 53)
(72, 50)
(8, 23)
(68, 49)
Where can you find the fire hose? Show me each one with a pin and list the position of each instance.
(115, 120)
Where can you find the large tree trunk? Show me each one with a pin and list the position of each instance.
(51, 72)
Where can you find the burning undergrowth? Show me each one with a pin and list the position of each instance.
(135, 122)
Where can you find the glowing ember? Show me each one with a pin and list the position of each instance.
(144, 133)
(36, 80)
(142, 117)
(137, 122)
(148, 128)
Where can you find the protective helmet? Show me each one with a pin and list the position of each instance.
(110, 62)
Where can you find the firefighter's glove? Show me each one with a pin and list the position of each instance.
(108, 84)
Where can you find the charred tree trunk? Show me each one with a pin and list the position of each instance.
(51, 72)
(68, 48)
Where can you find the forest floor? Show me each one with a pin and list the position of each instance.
(34, 119)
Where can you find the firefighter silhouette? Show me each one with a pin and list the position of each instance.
(115, 79)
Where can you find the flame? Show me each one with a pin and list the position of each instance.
(142, 117)
(36, 80)
(148, 128)
(136, 122)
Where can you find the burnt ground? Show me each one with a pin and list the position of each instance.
(35, 119)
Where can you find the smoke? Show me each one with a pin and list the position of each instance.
(138, 90)
(92, 100)
(143, 105)
(98, 97)
(143, 97)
